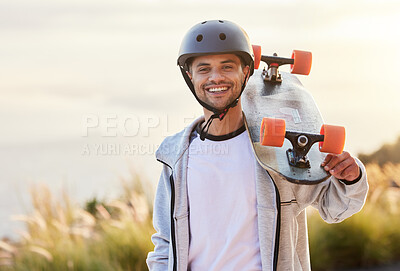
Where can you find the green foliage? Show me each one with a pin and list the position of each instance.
(90, 205)
(369, 238)
(387, 153)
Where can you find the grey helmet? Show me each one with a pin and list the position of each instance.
(215, 37)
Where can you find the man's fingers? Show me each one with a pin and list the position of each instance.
(336, 159)
(342, 173)
(350, 173)
(327, 159)
(341, 166)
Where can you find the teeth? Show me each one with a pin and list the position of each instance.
(217, 89)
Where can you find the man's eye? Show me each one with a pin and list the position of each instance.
(228, 67)
(203, 69)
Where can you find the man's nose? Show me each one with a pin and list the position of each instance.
(216, 76)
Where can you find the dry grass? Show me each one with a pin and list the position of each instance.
(369, 238)
(61, 235)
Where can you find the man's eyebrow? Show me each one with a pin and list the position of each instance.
(202, 64)
(228, 61)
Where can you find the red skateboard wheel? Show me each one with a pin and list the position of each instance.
(257, 55)
(302, 62)
(272, 132)
(334, 139)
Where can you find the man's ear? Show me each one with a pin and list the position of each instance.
(246, 72)
(189, 74)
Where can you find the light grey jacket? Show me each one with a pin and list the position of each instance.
(280, 204)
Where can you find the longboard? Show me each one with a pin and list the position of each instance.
(292, 106)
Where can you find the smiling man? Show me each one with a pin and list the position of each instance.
(216, 208)
(218, 81)
(217, 78)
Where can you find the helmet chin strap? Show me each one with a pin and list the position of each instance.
(220, 114)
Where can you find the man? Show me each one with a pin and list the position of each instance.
(215, 207)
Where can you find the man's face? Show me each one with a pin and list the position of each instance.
(217, 79)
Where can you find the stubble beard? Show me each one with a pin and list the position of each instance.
(214, 102)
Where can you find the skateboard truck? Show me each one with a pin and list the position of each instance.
(273, 62)
(301, 143)
(300, 63)
(273, 133)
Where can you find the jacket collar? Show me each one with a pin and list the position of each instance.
(173, 147)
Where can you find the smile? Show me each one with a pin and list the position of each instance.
(217, 89)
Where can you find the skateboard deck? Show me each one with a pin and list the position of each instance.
(290, 101)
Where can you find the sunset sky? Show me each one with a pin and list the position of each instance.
(64, 60)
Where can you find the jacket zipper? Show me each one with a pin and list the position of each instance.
(173, 237)
(278, 224)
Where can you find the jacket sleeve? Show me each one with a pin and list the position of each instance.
(335, 199)
(157, 260)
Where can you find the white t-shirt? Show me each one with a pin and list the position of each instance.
(223, 205)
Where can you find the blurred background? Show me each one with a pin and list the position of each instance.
(89, 89)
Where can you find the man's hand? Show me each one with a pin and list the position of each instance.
(342, 166)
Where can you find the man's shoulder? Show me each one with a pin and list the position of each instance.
(173, 146)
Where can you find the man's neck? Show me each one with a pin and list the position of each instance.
(230, 123)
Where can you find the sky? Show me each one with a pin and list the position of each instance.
(77, 75)
(66, 59)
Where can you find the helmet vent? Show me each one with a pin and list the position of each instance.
(221, 21)
(199, 38)
(222, 36)
(204, 22)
